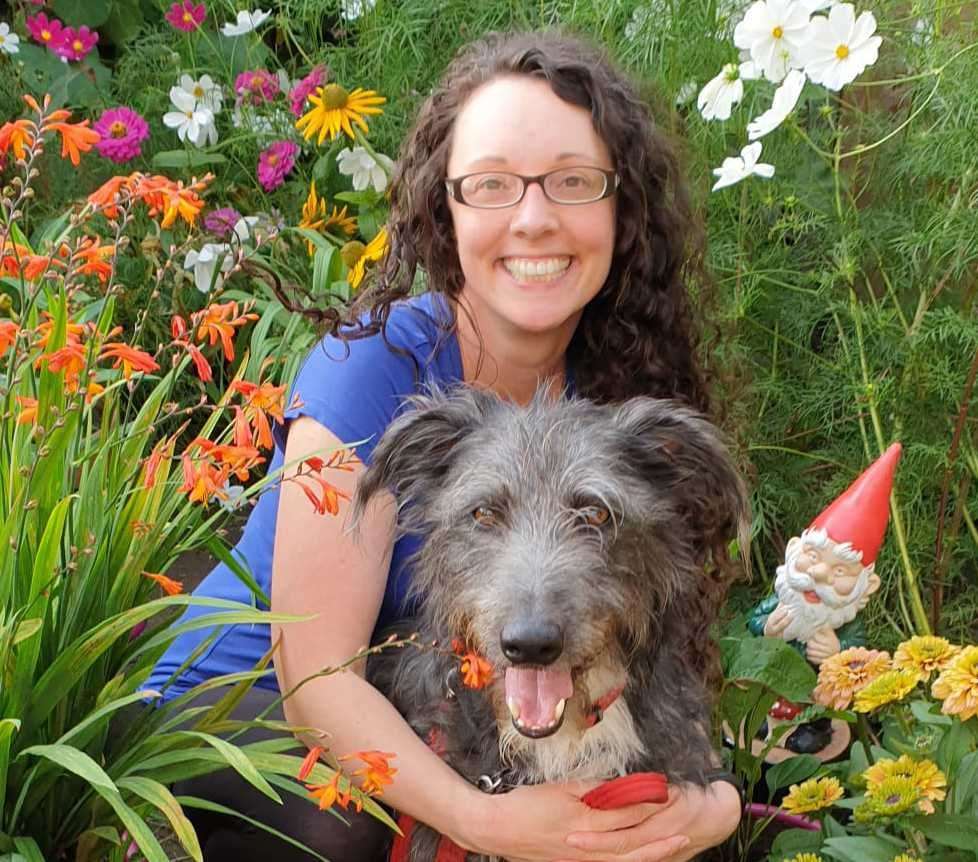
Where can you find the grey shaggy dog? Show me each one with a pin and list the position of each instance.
(561, 539)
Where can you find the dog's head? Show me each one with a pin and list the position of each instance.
(558, 534)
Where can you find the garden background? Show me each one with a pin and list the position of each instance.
(145, 352)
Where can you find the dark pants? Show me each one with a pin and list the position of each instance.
(225, 838)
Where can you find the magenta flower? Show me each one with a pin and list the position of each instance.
(45, 31)
(75, 44)
(275, 162)
(221, 221)
(256, 86)
(123, 132)
(305, 88)
(186, 16)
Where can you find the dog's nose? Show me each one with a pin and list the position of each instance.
(526, 642)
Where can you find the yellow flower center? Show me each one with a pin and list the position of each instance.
(334, 97)
(256, 82)
(187, 18)
(198, 92)
(46, 35)
(778, 32)
(77, 45)
(273, 159)
(352, 252)
(842, 52)
(117, 129)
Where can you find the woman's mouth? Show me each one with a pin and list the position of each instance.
(536, 269)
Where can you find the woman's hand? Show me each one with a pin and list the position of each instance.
(705, 816)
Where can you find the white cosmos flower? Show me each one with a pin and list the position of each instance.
(209, 264)
(353, 9)
(736, 168)
(785, 99)
(246, 22)
(245, 229)
(205, 91)
(364, 169)
(687, 92)
(192, 122)
(775, 32)
(842, 46)
(717, 98)
(9, 42)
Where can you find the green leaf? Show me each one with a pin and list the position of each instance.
(957, 742)
(964, 784)
(792, 771)
(124, 23)
(28, 848)
(862, 848)
(929, 713)
(70, 758)
(366, 198)
(186, 159)
(161, 798)
(219, 550)
(794, 841)
(237, 760)
(858, 761)
(26, 629)
(94, 13)
(774, 664)
(951, 830)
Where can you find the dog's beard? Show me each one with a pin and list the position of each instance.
(807, 617)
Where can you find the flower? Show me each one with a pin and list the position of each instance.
(76, 138)
(805, 857)
(309, 761)
(205, 92)
(364, 168)
(186, 15)
(171, 198)
(209, 264)
(74, 44)
(122, 131)
(326, 794)
(775, 33)
(924, 654)
(893, 796)
(203, 481)
(785, 99)
(927, 778)
(957, 685)
(193, 122)
(843, 674)
(246, 22)
(221, 221)
(356, 256)
(812, 795)
(377, 773)
(304, 88)
(9, 42)
(687, 92)
(261, 401)
(888, 687)
(8, 335)
(906, 857)
(130, 358)
(350, 10)
(335, 109)
(218, 322)
(170, 586)
(717, 98)
(314, 217)
(28, 410)
(16, 135)
(842, 46)
(44, 30)
(256, 86)
(275, 162)
(736, 168)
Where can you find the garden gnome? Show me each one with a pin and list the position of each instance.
(826, 580)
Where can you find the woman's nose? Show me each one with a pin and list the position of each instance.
(535, 215)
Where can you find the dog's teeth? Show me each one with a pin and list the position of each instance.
(559, 709)
(514, 709)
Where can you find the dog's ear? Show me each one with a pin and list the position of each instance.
(672, 445)
(419, 447)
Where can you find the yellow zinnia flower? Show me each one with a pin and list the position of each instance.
(845, 673)
(926, 777)
(893, 796)
(887, 688)
(356, 256)
(812, 795)
(957, 685)
(906, 857)
(924, 654)
(805, 857)
(335, 110)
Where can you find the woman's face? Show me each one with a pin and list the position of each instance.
(518, 124)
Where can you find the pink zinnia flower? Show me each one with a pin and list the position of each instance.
(305, 88)
(275, 162)
(122, 131)
(221, 221)
(256, 86)
(186, 15)
(75, 44)
(44, 30)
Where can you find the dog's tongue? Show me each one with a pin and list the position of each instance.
(537, 691)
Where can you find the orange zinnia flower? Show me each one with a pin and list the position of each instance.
(18, 136)
(130, 358)
(28, 410)
(170, 586)
(311, 759)
(377, 773)
(76, 138)
(260, 402)
(8, 335)
(218, 322)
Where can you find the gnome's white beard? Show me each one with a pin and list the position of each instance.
(807, 617)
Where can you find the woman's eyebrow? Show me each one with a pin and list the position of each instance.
(502, 160)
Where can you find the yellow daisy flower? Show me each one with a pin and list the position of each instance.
(887, 688)
(356, 256)
(335, 110)
(957, 685)
(339, 219)
(805, 857)
(924, 654)
(843, 674)
(315, 217)
(925, 775)
(893, 796)
(812, 795)
(906, 857)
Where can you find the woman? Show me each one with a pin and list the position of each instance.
(554, 233)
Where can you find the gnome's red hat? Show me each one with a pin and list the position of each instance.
(859, 515)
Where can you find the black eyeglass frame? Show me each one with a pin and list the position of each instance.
(611, 184)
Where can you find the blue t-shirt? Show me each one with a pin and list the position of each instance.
(355, 397)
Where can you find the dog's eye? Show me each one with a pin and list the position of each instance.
(594, 516)
(485, 517)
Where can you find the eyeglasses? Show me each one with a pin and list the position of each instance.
(496, 189)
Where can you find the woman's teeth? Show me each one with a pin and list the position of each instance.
(536, 270)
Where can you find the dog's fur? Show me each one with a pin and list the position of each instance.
(615, 590)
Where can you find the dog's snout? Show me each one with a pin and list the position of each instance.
(532, 642)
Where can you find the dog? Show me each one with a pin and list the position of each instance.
(564, 539)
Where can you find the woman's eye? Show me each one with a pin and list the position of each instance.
(594, 516)
(485, 517)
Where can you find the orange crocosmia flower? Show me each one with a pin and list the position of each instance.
(218, 321)
(239, 459)
(130, 358)
(12, 256)
(76, 138)
(106, 196)
(328, 498)
(70, 359)
(260, 402)
(172, 199)
(28, 410)
(33, 266)
(310, 760)
(17, 136)
(242, 430)
(377, 773)
(331, 792)
(476, 671)
(170, 586)
(141, 529)
(95, 259)
(8, 335)
(201, 365)
(73, 332)
(178, 327)
(163, 449)
(203, 480)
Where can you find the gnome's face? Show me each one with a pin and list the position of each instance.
(823, 583)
